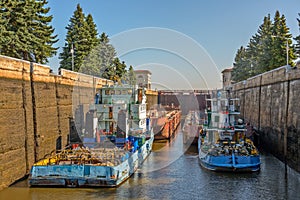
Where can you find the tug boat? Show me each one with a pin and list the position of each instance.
(117, 139)
(225, 143)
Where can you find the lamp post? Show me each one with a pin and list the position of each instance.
(287, 47)
(72, 51)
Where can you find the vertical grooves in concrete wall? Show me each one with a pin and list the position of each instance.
(33, 112)
(58, 142)
(259, 105)
(57, 106)
(286, 122)
(25, 119)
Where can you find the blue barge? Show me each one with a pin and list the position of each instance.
(118, 139)
(93, 173)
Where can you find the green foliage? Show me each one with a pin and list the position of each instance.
(266, 50)
(92, 54)
(281, 42)
(262, 57)
(107, 54)
(240, 65)
(130, 76)
(26, 32)
(116, 71)
(100, 60)
(92, 30)
(82, 36)
(120, 68)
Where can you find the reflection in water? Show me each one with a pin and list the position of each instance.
(173, 172)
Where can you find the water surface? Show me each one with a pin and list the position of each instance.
(174, 172)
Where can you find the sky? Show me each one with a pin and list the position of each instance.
(184, 43)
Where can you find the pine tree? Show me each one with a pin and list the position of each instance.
(4, 40)
(102, 62)
(252, 53)
(264, 53)
(107, 54)
(281, 39)
(92, 63)
(92, 30)
(266, 49)
(130, 77)
(254, 59)
(121, 69)
(81, 38)
(25, 30)
(92, 54)
(240, 65)
(116, 71)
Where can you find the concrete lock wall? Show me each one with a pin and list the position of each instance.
(35, 107)
(186, 100)
(270, 102)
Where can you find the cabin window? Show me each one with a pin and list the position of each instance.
(217, 118)
(215, 107)
(118, 92)
(224, 105)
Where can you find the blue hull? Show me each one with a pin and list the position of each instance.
(231, 163)
(88, 175)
